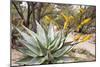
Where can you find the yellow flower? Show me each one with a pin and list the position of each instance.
(78, 28)
(83, 23)
(86, 21)
(82, 10)
(86, 38)
(48, 18)
(77, 37)
(67, 20)
(65, 25)
(70, 18)
(65, 17)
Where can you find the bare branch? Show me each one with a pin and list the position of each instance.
(21, 15)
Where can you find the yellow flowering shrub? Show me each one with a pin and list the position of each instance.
(67, 20)
(85, 21)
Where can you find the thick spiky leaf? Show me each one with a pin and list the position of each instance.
(34, 36)
(26, 51)
(62, 41)
(62, 59)
(43, 49)
(52, 43)
(61, 51)
(30, 47)
(58, 42)
(30, 42)
(27, 38)
(50, 32)
(24, 61)
(61, 44)
(37, 60)
(41, 35)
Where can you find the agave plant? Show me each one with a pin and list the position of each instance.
(43, 47)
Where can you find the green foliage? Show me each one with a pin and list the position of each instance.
(43, 47)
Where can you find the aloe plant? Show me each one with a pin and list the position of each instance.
(43, 47)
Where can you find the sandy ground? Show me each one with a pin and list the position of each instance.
(15, 56)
